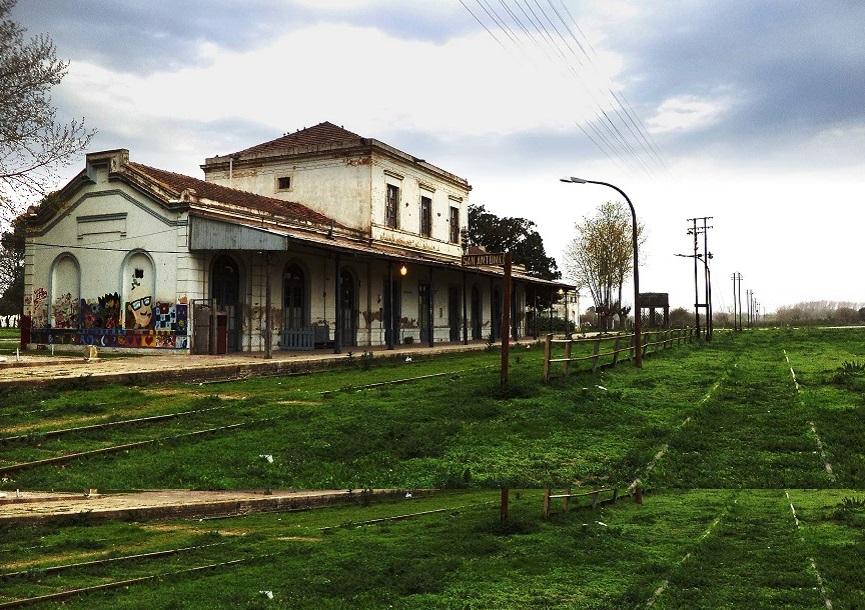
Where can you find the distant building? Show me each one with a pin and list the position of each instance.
(345, 240)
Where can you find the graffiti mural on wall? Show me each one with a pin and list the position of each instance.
(97, 322)
(64, 311)
(103, 312)
(139, 313)
(39, 308)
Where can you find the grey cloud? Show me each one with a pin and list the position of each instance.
(793, 69)
(143, 37)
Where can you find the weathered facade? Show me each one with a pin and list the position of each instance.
(320, 238)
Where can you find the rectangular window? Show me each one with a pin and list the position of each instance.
(425, 216)
(391, 206)
(283, 183)
(455, 225)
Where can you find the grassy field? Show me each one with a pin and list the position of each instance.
(680, 549)
(731, 438)
(724, 415)
(458, 430)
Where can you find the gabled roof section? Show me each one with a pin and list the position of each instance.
(323, 133)
(199, 190)
(322, 139)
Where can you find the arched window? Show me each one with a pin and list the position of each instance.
(139, 286)
(65, 291)
(294, 298)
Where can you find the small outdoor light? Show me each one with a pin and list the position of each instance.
(403, 271)
(561, 291)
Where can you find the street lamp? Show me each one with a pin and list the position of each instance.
(638, 347)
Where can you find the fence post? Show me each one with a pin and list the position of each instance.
(567, 363)
(548, 346)
(633, 352)
(596, 348)
(645, 346)
(567, 502)
(615, 495)
(615, 353)
(547, 503)
(595, 499)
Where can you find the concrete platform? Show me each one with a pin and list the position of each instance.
(171, 368)
(41, 507)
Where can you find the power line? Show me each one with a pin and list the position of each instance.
(625, 137)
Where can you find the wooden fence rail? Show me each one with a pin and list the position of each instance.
(566, 497)
(607, 350)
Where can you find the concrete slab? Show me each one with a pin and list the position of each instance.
(178, 503)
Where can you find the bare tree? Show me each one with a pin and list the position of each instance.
(33, 143)
(601, 258)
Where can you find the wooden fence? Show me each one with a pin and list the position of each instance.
(608, 350)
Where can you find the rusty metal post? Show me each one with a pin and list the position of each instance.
(268, 314)
(465, 314)
(506, 320)
(337, 306)
(431, 310)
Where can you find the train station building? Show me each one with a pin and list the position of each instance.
(319, 239)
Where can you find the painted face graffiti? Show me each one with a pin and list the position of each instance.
(139, 313)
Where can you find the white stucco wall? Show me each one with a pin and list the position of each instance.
(336, 186)
(413, 183)
(109, 230)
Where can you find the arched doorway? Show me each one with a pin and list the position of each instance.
(347, 309)
(476, 314)
(225, 290)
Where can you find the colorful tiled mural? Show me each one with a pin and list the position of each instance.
(98, 322)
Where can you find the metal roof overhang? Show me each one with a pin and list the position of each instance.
(208, 234)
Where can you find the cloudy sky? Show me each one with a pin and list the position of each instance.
(750, 111)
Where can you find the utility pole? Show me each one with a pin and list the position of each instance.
(696, 230)
(708, 279)
(693, 231)
(735, 324)
(739, 294)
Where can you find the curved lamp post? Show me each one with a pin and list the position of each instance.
(638, 347)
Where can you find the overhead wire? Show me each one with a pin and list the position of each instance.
(541, 38)
(624, 137)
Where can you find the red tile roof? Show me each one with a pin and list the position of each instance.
(222, 194)
(323, 133)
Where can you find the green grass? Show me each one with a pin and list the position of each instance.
(452, 431)
(460, 430)
(616, 556)
(726, 432)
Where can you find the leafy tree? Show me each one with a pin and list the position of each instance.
(12, 269)
(33, 143)
(518, 236)
(681, 317)
(601, 257)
